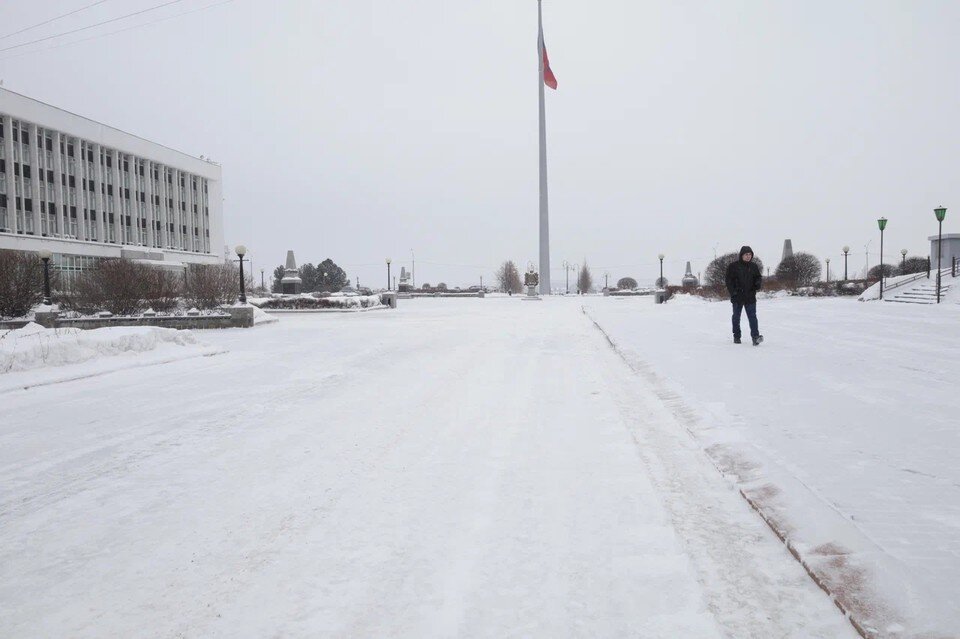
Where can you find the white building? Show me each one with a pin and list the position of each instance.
(86, 191)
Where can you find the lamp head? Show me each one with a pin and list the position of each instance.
(882, 223)
(45, 254)
(940, 212)
(846, 249)
(241, 250)
(903, 252)
(661, 257)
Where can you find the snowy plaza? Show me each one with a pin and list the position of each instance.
(580, 467)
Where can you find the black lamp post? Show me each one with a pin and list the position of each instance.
(903, 260)
(660, 281)
(241, 251)
(828, 270)
(388, 275)
(846, 252)
(45, 255)
(262, 285)
(941, 213)
(882, 223)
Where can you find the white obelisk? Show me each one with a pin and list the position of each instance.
(544, 209)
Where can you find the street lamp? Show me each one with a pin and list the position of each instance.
(567, 267)
(241, 251)
(903, 260)
(828, 270)
(262, 285)
(882, 223)
(45, 255)
(660, 281)
(941, 213)
(388, 275)
(846, 252)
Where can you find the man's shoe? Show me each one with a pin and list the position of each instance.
(758, 340)
(736, 340)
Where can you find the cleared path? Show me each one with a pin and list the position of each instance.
(474, 468)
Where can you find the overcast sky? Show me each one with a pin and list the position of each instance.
(360, 129)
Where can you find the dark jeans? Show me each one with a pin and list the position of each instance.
(751, 317)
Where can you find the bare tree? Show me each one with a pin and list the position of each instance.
(21, 282)
(800, 269)
(627, 283)
(585, 279)
(508, 278)
(211, 285)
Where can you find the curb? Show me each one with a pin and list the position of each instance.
(768, 519)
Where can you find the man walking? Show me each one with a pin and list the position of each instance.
(743, 281)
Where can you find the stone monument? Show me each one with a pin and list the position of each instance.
(787, 249)
(291, 284)
(404, 286)
(531, 280)
(689, 279)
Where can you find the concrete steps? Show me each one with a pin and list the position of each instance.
(923, 292)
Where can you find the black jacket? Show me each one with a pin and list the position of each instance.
(744, 279)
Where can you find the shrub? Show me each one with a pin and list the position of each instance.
(913, 265)
(163, 289)
(800, 269)
(21, 282)
(116, 285)
(307, 303)
(211, 285)
(887, 270)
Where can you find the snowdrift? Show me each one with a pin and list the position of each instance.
(34, 346)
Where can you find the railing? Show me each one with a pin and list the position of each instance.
(908, 280)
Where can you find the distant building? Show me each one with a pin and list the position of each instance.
(951, 249)
(87, 191)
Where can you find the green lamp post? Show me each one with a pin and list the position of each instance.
(940, 212)
(882, 223)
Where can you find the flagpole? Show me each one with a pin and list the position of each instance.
(545, 288)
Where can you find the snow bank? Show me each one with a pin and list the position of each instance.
(34, 346)
(262, 317)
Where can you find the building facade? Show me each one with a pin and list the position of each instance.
(87, 191)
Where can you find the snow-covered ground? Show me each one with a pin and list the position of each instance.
(475, 468)
(842, 427)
